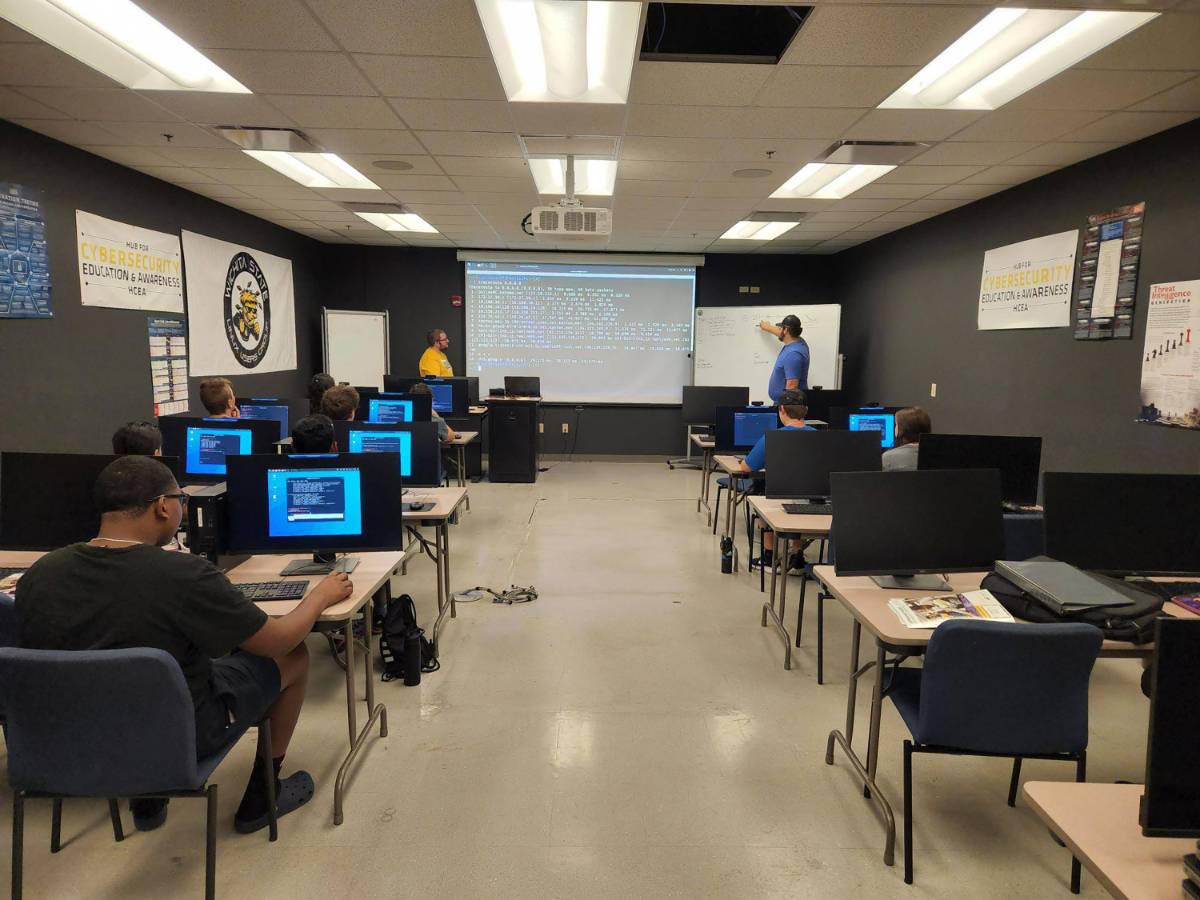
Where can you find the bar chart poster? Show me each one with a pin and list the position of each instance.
(168, 365)
(1108, 269)
(24, 260)
(1170, 361)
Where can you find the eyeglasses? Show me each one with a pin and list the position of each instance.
(181, 497)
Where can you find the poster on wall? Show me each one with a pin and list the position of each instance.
(1170, 362)
(1028, 284)
(168, 365)
(127, 267)
(24, 258)
(241, 308)
(1108, 269)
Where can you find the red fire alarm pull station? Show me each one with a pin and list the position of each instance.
(455, 300)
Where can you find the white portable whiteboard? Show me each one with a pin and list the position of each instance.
(732, 350)
(356, 346)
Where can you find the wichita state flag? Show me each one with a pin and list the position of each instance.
(241, 308)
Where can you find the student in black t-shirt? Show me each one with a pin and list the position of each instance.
(314, 434)
(121, 590)
(137, 438)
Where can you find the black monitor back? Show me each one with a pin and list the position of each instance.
(522, 385)
(1019, 459)
(459, 387)
(726, 432)
(46, 498)
(700, 402)
(422, 404)
(1124, 524)
(270, 408)
(426, 448)
(907, 523)
(264, 434)
(1171, 802)
(821, 404)
(799, 463)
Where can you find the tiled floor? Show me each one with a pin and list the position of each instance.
(632, 733)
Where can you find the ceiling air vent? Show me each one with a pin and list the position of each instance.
(719, 32)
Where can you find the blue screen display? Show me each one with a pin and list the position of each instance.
(884, 423)
(748, 427)
(443, 396)
(310, 502)
(208, 447)
(389, 411)
(267, 411)
(384, 442)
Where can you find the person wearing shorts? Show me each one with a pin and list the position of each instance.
(120, 590)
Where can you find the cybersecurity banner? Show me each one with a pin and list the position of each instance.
(241, 315)
(1028, 285)
(128, 267)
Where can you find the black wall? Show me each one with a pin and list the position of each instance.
(71, 380)
(910, 314)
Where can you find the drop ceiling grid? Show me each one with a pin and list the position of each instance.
(413, 80)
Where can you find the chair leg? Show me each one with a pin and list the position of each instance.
(114, 813)
(1081, 766)
(717, 509)
(821, 636)
(1014, 782)
(1076, 872)
(56, 825)
(908, 843)
(800, 604)
(210, 846)
(264, 760)
(18, 842)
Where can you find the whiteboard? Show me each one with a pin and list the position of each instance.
(356, 346)
(732, 350)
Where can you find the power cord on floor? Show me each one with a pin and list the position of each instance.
(514, 594)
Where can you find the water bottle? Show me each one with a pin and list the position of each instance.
(727, 555)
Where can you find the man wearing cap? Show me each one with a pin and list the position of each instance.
(791, 366)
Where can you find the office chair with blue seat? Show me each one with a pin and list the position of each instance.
(1038, 709)
(107, 723)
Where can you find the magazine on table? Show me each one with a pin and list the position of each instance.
(1189, 601)
(930, 612)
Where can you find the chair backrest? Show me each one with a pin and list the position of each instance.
(102, 723)
(1015, 689)
(8, 621)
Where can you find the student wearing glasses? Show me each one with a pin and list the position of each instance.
(434, 362)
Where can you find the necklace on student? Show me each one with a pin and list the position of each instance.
(114, 540)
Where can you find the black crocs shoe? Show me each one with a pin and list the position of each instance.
(290, 794)
(149, 813)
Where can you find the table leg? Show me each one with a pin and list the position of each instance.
(374, 713)
(351, 711)
(446, 603)
(446, 569)
(461, 459)
(735, 498)
(771, 600)
(781, 551)
(821, 634)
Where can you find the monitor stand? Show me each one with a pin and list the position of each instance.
(321, 564)
(912, 582)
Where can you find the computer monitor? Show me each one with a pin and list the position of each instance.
(700, 402)
(389, 408)
(1171, 803)
(416, 443)
(203, 444)
(821, 404)
(799, 463)
(450, 395)
(266, 408)
(902, 524)
(1124, 524)
(46, 498)
(522, 386)
(326, 503)
(740, 427)
(1018, 459)
(880, 419)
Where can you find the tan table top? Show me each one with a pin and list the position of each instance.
(477, 410)
(445, 499)
(729, 464)
(15, 559)
(771, 512)
(1099, 822)
(704, 443)
(372, 571)
(462, 437)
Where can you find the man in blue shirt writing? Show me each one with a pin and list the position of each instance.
(791, 366)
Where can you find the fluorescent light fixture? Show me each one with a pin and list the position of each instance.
(563, 51)
(748, 230)
(314, 170)
(1011, 51)
(593, 177)
(398, 222)
(827, 181)
(122, 41)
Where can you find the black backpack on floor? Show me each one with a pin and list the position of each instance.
(403, 647)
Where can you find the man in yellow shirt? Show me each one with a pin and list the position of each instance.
(434, 361)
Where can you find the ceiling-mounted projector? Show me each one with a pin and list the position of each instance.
(570, 218)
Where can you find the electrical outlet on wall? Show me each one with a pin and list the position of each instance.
(565, 428)
(933, 389)
(541, 427)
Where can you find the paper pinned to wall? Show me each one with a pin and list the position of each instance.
(1170, 360)
(168, 365)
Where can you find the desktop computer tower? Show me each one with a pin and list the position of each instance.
(207, 521)
(512, 441)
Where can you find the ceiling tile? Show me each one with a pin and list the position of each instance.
(455, 115)
(468, 183)
(753, 188)
(796, 123)
(1130, 126)
(202, 108)
(651, 170)
(890, 191)
(280, 194)
(178, 174)
(291, 72)
(505, 166)
(718, 204)
(201, 157)
(967, 191)
(1062, 154)
(660, 148)
(1169, 42)
(698, 84)
(99, 104)
(336, 112)
(354, 195)
(18, 106)
(404, 27)
(441, 198)
(842, 86)
(772, 151)
(234, 25)
(901, 218)
(343, 216)
(397, 181)
(1098, 89)
(911, 124)
(220, 192)
(846, 217)
(451, 78)
(915, 174)
(878, 36)
(723, 171)
(306, 206)
(567, 118)
(869, 204)
(1185, 97)
(470, 143)
(71, 132)
(132, 156)
(42, 65)
(1026, 125)
(981, 153)
(259, 177)
(420, 164)
(683, 121)
(250, 204)
(936, 205)
(632, 187)
(367, 141)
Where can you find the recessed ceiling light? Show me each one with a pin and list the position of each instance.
(751, 173)
(1009, 52)
(122, 41)
(748, 230)
(563, 51)
(392, 165)
(314, 170)
(398, 222)
(593, 177)
(825, 181)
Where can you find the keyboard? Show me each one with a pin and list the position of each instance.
(808, 509)
(6, 571)
(259, 591)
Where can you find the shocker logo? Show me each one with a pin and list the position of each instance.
(247, 310)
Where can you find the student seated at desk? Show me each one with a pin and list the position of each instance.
(314, 434)
(120, 590)
(137, 439)
(793, 407)
(340, 403)
(911, 423)
(321, 382)
(216, 394)
(445, 432)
